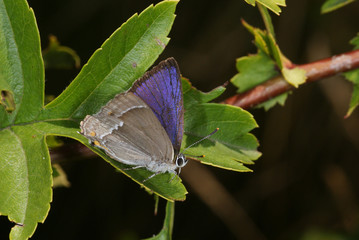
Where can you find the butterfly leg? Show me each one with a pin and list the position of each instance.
(136, 167)
(174, 175)
(132, 168)
(156, 173)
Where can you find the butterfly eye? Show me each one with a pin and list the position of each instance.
(181, 160)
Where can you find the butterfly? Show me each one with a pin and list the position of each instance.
(143, 127)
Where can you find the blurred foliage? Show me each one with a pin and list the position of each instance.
(332, 5)
(59, 57)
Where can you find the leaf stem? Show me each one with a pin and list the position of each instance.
(266, 19)
(314, 71)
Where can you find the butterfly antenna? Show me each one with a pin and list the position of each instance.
(209, 135)
(193, 156)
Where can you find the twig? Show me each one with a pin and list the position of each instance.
(278, 85)
(221, 202)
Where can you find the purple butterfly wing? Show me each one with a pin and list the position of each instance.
(161, 89)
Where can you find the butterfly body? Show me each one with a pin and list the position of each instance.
(143, 127)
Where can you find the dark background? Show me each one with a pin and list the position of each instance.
(306, 182)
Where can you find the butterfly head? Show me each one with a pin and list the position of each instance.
(181, 160)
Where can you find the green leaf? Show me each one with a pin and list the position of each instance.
(355, 42)
(166, 232)
(252, 71)
(112, 69)
(266, 43)
(26, 179)
(273, 5)
(266, 19)
(193, 96)
(354, 101)
(275, 52)
(251, 2)
(256, 69)
(331, 5)
(280, 99)
(260, 37)
(232, 146)
(59, 57)
(294, 76)
(25, 183)
(229, 148)
(59, 177)
(54, 142)
(353, 76)
(21, 70)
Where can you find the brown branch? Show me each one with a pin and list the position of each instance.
(278, 85)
